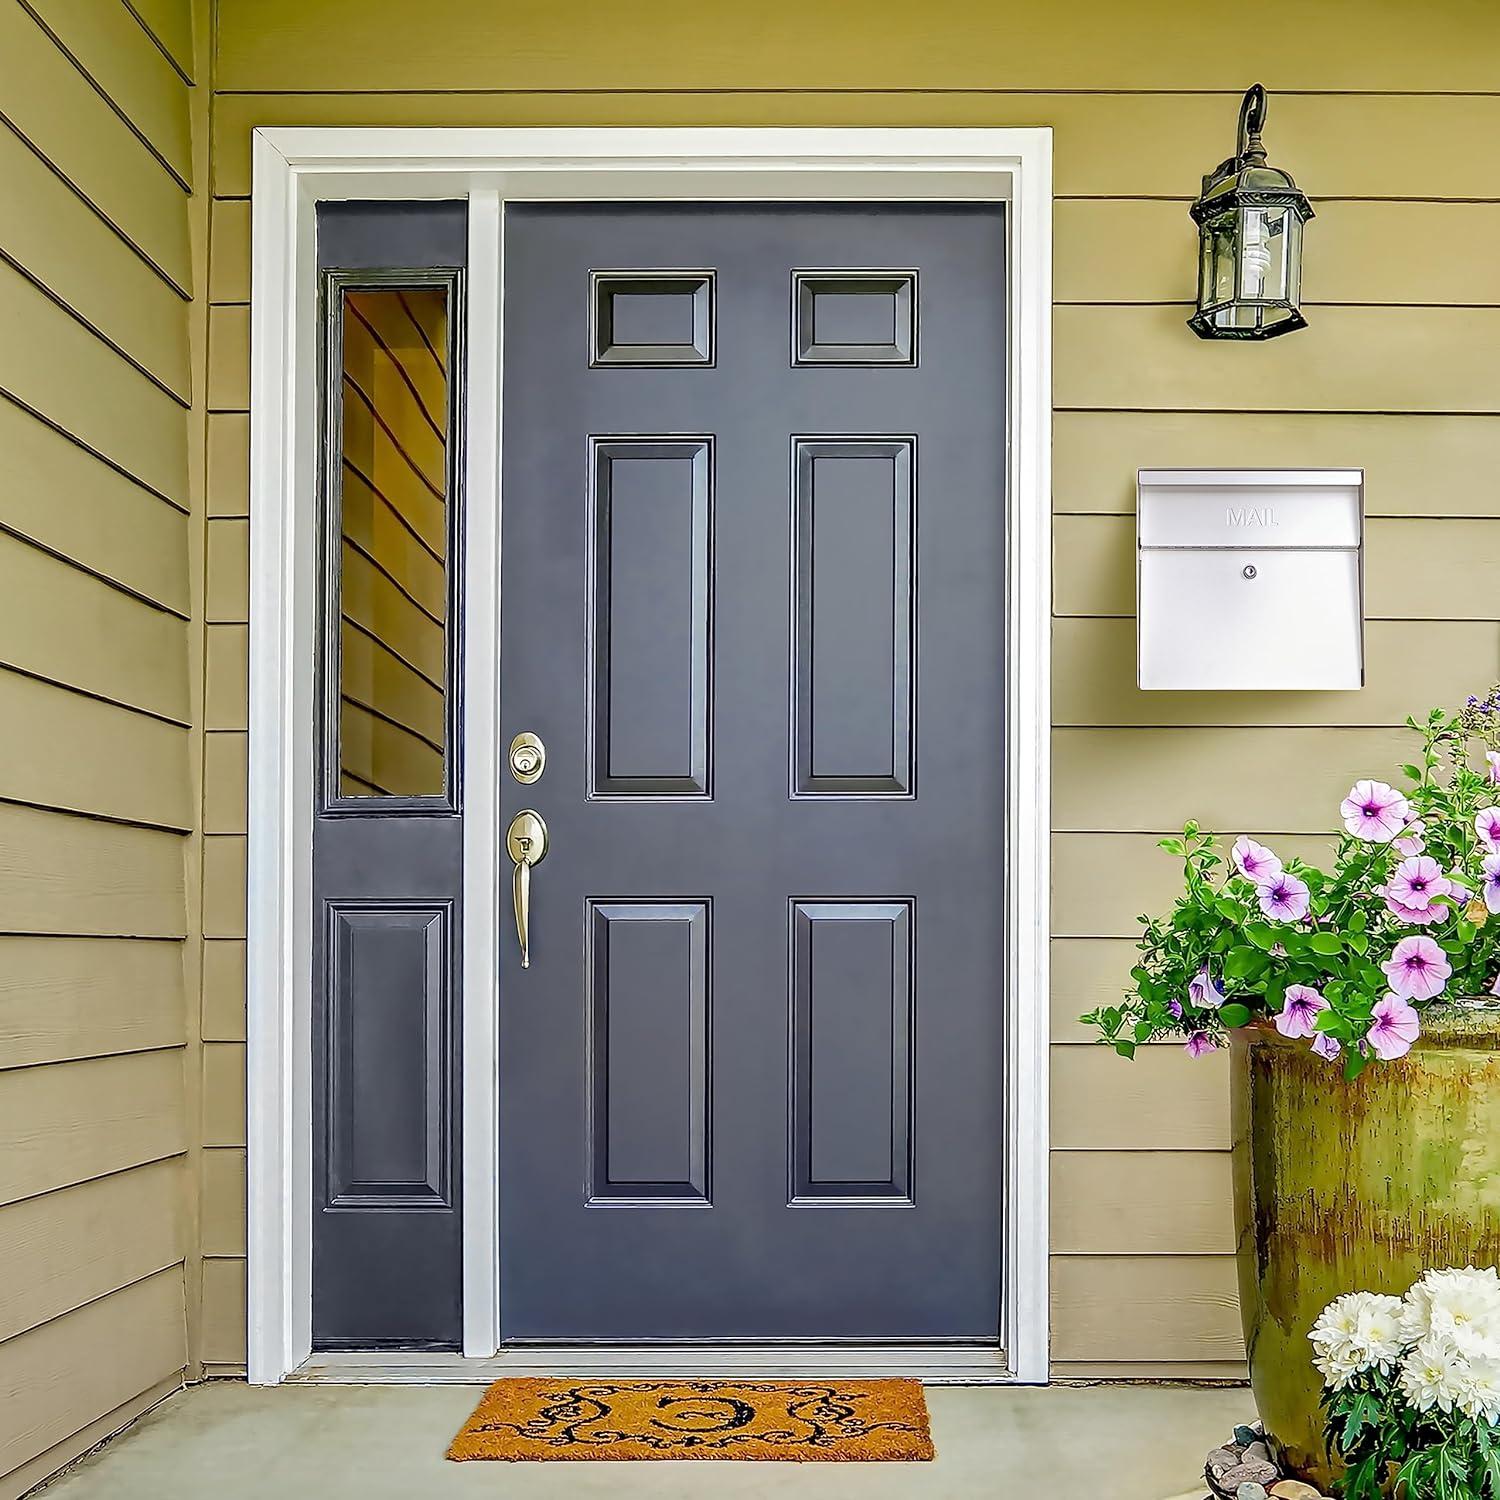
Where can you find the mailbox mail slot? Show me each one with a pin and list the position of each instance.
(1250, 579)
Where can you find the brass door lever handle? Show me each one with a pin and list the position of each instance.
(526, 839)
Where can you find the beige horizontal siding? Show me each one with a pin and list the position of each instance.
(223, 1202)
(224, 1094)
(60, 1377)
(55, 238)
(50, 102)
(1094, 679)
(1414, 569)
(1398, 374)
(1173, 138)
(63, 998)
(223, 1330)
(96, 790)
(64, 1249)
(110, 526)
(120, 58)
(1415, 464)
(78, 1120)
(169, 23)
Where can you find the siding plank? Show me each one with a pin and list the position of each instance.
(223, 887)
(224, 1094)
(1153, 780)
(228, 464)
(1414, 570)
(49, 231)
(1142, 1203)
(1351, 359)
(1100, 881)
(111, 47)
(224, 991)
(170, 22)
(51, 104)
(67, 875)
(225, 791)
(222, 1340)
(448, 44)
(1409, 665)
(227, 691)
(76, 1121)
(81, 755)
(228, 600)
(1379, 253)
(228, 359)
(52, 364)
(229, 258)
(1151, 1309)
(63, 998)
(53, 1380)
(1163, 1100)
(1415, 465)
(223, 1205)
(110, 525)
(67, 1248)
(1430, 145)
(64, 626)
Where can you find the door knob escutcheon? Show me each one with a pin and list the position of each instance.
(526, 840)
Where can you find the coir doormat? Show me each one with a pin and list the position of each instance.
(792, 1420)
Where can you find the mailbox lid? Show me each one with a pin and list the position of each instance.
(1250, 507)
(1294, 625)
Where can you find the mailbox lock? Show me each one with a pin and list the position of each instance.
(1248, 571)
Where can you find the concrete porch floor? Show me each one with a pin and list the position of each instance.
(227, 1441)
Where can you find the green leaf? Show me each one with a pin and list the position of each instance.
(1466, 932)
(1143, 1031)
(1262, 934)
(1244, 963)
(1125, 1049)
(1326, 943)
(1358, 922)
(1412, 772)
(1234, 1014)
(1172, 846)
(1358, 942)
(1354, 1064)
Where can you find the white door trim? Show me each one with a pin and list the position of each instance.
(294, 169)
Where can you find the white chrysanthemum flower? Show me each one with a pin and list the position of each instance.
(1357, 1332)
(1479, 1388)
(1433, 1374)
(1464, 1307)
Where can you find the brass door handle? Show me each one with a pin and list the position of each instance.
(526, 839)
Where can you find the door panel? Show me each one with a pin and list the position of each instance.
(387, 830)
(753, 544)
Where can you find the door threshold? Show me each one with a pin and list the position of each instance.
(932, 1364)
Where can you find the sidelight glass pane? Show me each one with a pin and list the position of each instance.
(393, 542)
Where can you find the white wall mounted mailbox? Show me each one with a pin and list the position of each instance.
(1250, 579)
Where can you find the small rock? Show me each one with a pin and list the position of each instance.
(1244, 1436)
(1222, 1459)
(1250, 1491)
(1294, 1489)
(1257, 1452)
(1249, 1473)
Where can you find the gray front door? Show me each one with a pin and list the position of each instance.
(753, 543)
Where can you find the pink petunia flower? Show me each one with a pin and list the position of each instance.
(1204, 992)
(1413, 890)
(1374, 811)
(1394, 1028)
(1461, 894)
(1174, 1009)
(1490, 865)
(1284, 899)
(1487, 826)
(1299, 1012)
(1417, 969)
(1493, 757)
(1254, 861)
(1199, 1044)
(1412, 843)
(1326, 1046)
(1495, 987)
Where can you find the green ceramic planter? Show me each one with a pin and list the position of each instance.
(1355, 1186)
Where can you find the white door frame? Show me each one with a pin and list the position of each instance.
(294, 169)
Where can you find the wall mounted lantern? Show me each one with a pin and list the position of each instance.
(1250, 217)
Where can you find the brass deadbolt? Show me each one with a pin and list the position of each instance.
(528, 758)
